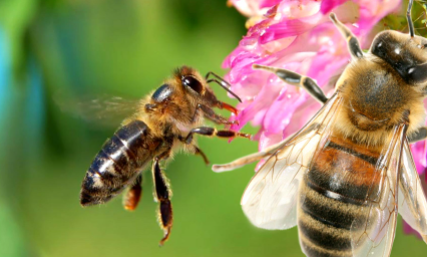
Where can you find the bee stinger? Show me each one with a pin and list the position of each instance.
(166, 119)
(345, 176)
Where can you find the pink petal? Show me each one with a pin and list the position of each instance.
(288, 28)
(269, 3)
(328, 5)
(407, 229)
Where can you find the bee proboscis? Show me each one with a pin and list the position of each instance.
(164, 120)
(345, 176)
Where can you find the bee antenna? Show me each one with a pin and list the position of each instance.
(223, 83)
(408, 17)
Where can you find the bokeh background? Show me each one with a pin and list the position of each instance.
(56, 51)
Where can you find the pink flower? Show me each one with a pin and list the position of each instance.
(251, 8)
(298, 35)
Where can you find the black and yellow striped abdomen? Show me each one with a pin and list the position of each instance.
(332, 196)
(118, 163)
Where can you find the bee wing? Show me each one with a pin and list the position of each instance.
(104, 110)
(372, 232)
(412, 199)
(270, 199)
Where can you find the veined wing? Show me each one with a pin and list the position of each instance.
(104, 110)
(372, 232)
(270, 199)
(412, 199)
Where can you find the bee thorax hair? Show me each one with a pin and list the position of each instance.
(375, 99)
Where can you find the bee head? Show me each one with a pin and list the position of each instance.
(190, 87)
(192, 82)
(407, 55)
(198, 87)
(186, 82)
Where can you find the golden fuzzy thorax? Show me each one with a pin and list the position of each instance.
(375, 98)
(176, 116)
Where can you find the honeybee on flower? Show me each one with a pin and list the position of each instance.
(298, 36)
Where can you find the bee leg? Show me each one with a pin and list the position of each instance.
(250, 158)
(211, 115)
(418, 135)
(207, 131)
(133, 196)
(352, 42)
(197, 151)
(162, 195)
(222, 105)
(296, 79)
(239, 162)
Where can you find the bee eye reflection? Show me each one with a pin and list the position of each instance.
(193, 83)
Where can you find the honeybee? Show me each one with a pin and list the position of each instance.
(347, 173)
(165, 120)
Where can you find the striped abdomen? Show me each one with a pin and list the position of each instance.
(333, 196)
(118, 163)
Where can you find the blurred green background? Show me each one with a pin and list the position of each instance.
(126, 48)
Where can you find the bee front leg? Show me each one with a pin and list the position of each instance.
(211, 115)
(296, 79)
(251, 158)
(162, 196)
(420, 134)
(207, 131)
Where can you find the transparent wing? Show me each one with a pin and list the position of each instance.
(104, 110)
(412, 200)
(372, 233)
(270, 199)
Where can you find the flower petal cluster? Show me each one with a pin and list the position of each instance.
(298, 35)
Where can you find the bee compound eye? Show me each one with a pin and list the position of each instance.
(193, 83)
(162, 93)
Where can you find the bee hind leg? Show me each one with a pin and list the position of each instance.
(296, 79)
(162, 195)
(133, 195)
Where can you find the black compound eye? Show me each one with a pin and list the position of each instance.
(162, 93)
(193, 83)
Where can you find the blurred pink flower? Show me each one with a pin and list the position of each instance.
(298, 35)
(251, 8)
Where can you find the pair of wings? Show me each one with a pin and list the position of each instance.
(102, 110)
(271, 197)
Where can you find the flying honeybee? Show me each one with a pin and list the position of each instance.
(166, 119)
(344, 177)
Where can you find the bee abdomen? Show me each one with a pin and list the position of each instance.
(332, 198)
(120, 160)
